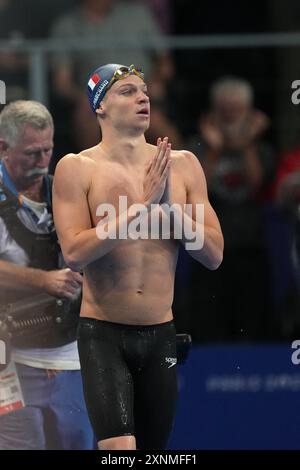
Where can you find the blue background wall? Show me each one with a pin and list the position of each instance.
(238, 397)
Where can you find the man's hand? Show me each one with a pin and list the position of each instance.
(157, 172)
(62, 283)
(211, 133)
(259, 122)
(166, 197)
(247, 132)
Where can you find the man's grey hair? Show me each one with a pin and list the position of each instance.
(20, 114)
(226, 86)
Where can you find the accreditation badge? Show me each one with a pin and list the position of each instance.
(11, 396)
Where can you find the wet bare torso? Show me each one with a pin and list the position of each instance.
(134, 282)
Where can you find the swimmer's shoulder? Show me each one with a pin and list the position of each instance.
(85, 158)
(75, 168)
(81, 163)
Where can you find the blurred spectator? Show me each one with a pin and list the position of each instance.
(287, 188)
(238, 165)
(163, 12)
(161, 123)
(17, 22)
(105, 20)
(287, 196)
(15, 25)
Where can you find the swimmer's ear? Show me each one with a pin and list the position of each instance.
(100, 111)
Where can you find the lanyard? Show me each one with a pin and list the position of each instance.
(7, 182)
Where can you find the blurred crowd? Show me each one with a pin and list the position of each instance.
(216, 105)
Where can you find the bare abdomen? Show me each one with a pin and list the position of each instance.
(133, 284)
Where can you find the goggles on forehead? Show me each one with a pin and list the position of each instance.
(124, 72)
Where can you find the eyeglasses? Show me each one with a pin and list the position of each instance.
(124, 72)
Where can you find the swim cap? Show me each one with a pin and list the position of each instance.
(101, 78)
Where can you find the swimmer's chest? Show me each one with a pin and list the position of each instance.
(120, 189)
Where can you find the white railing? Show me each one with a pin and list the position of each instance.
(37, 49)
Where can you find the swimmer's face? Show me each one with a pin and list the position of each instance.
(29, 158)
(126, 104)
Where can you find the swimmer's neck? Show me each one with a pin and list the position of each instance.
(126, 150)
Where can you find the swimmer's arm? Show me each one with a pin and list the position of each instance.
(207, 244)
(78, 239)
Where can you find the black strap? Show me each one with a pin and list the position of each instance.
(42, 248)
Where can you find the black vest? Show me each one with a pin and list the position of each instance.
(49, 322)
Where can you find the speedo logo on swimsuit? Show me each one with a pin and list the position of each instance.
(172, 361)
(164, 222)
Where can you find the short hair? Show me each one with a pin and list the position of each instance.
(231, 86)
(20, 114)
